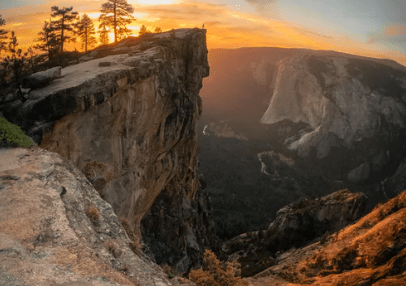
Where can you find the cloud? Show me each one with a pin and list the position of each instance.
(264, 7)
(395, 30)
(261, 3)
(371, 41)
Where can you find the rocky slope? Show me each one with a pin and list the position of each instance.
(295, 226)
(56, 230)
(369, 252)
(126, 117)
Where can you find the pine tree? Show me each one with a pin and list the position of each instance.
(64, 24)
(86, 32)
(48, 40)
(3, 35)
(15, 61)
(158, 30)
(143, 30)
(116, 14)
(104, 37)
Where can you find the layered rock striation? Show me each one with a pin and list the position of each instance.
(128, 121)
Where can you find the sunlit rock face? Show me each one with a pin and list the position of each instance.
(128, 121)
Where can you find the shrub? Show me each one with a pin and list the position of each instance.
(11, 135)
(93, 213)
(167, 269)
(216, 273)
(113, 248)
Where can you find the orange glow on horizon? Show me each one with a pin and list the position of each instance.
(225, 28)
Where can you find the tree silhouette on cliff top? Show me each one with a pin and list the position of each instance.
(86, 32)
(64, 24)
(116, 14)
(3, 34)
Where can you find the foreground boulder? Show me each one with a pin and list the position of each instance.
(295, 225)
(56, 230)
(41, 79)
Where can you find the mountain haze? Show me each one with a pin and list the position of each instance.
(315, 122)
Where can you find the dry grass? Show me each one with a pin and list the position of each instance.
(93, 214)
(215, 273)
(125, 222)
(136, 243)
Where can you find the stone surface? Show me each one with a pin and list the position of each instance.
(295, 225)
(131, 128)
(51, 239)
(42, 78)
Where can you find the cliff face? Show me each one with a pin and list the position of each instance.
(128, 121)
(348, 104)
(338, 98)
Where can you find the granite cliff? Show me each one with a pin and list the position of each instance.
(126, 117)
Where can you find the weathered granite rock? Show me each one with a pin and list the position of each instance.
(295, 225)
(56, 230)
(41, 79)
(131, 128)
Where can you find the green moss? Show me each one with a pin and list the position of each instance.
(12, 135)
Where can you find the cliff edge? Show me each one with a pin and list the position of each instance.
(126, 117)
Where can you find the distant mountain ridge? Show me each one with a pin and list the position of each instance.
(341, 118)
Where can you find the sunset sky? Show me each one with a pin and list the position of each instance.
(374, 28)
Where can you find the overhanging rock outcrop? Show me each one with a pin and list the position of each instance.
(130, 126)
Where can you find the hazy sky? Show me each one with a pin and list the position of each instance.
(366, 27)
